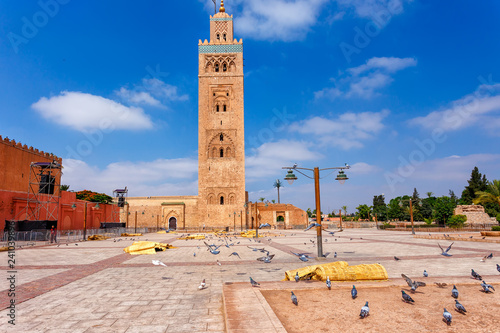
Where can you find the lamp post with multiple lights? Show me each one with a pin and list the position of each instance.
(341, 177)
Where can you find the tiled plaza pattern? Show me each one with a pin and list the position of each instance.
(96, 287)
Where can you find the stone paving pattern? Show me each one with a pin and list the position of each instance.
(96, 287)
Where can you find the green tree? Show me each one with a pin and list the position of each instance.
(64, 187)
(456, 221)
(379, 207)
(443, 209)
(273, 201)
(427, 208)
(309, 213)
(93, 197)
(344, 208)
(477, 183)
(490, 198)
(363, 212)
(278, 184)
(262, 199)
(417, 206)
(395, 211)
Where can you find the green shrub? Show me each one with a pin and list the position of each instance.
(428, 221)
(456, 221)
(498, 218)
(495, 228)
(387, 226)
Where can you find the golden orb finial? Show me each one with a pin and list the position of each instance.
(222, 9)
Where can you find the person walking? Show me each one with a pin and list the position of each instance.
(53, 237)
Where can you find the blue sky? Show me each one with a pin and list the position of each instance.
(406, 92)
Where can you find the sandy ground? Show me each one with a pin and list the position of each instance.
(323, 310)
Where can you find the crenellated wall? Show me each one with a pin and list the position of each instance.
(15, 161)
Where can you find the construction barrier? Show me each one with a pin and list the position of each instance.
(339, 271)
(147, 247)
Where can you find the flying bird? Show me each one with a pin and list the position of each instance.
(312, 225)
(202, 285)
(365, 311)
(302, 256)
(425, 273)
(158, 263)
(498, 268)
(459, 307)
(294, 299)
(328, 283)
(487, 287)
(447, 317)
(267, 259)
(407, 298)
(454, 292)
(253, 282)
(297, 277)
(264, 225)
(445, 252)
(413, 284)
(475, 275)
(354, 292)
(396, 258)
(235, 254)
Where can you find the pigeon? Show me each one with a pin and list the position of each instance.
(396, 258)
(489, 256)
(264, 225)
(202, 285)
(425, 273)
(354, 292)
(328, 283)
(218, 263)
(484, 259)
(498, 268)
(365, 311)
(475, 275)
(459, 307)
(194, 254)
(158, 263)
(487, 287)
(407, 298)
(253, 282)
(454, 292)
(447, 316)
(267, 259)
(413, 284)
(445, 252)
(235, 254)
(335, 255)
(294, 299)
(440, 285)
(297, 278)
(302, 256)
(312, 225)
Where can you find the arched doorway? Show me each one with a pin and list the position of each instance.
(172, 223)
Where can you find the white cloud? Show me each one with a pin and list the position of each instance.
(268, 159)
(371, 8)
(155, 178)
(479, 108)
(152, 92)
(138, 97)
(348, 131)
(85, 112)
(364, 81)
(389, 64)
(362, 168)
(276, 20)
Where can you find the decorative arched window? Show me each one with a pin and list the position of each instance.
(216, 67)
(217, 107)
(224, 67)
(228, 152)
(214, 152)
(221, 152)
(224, 108)
(221, 137)
(224, 36)
(221, 200)
(218, 37)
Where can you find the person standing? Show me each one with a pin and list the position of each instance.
(53, 237)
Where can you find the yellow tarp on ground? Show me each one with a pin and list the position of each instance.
(131, 235)
(197, 236)
(147, 247)
(97, 237)
(339, 271)
(164, 232)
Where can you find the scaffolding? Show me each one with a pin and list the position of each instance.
(43, 194)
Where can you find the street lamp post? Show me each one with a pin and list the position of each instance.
(341, 177)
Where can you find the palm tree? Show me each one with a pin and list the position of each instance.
(277, 184)
(491, 195)
(64, 187)
(344, 208)
(262, 199)
(429, 194)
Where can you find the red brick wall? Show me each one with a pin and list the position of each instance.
(15, 160)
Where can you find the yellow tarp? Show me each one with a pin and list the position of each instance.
(339, 271)
(147, 247)
(164, 232)
(131, 235)
(97, 237)
(197, 236)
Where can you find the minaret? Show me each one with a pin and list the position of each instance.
(221, 149)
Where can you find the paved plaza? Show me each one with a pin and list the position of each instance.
(96, 287)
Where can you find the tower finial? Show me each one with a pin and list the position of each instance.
(222, 9)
